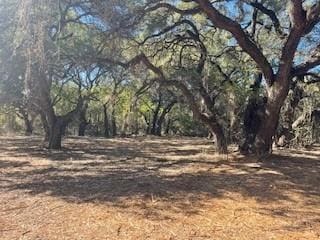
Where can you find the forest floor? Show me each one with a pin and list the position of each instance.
(155, 188)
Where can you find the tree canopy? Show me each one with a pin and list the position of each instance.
(246, 72)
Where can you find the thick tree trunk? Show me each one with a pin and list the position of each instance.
(58, 125)
(56, 133)
(222, 147)
(221, 142)
(268, 127)
(82, 128)
(253, 118)
(253, 114)
(264, 138)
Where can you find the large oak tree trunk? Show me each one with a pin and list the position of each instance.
(56, 132)
(253, 119)
(264, 138)
(221, 142)
(268, 127)
(254, 111)
(58, 125)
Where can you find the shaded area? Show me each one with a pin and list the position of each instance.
(163, 177)
(104, 170)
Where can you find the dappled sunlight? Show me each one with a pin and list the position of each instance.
(158, 181)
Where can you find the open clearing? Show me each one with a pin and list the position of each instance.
(154, 188)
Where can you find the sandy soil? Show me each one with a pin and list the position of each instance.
(155, 188)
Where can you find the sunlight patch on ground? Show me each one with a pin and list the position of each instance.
(154, 188)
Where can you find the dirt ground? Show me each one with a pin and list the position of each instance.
(155, 188)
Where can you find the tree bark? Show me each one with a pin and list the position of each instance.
(209, 119)
(106, 124)
(114, 122)
(163, 114)
(29, 126)
(82, 128)
(154, 125)
(58, 125)
(56, 132)
(83, 122)
(221, 142)
(286, 133)
(168, 126)
(315, 121)
(28, 123)
(275, 99)
(45, 126)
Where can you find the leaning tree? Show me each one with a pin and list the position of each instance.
(293, 22)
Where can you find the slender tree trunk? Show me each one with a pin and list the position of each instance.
(159, 127)
(147, 121)
(106, 124)
(45, 126)
(28, 123)
(125, 124)
(168, 126)
(154, 124)
(83, 122)
(29, 127)
(286, 133)
(114, 122)
(161, 119)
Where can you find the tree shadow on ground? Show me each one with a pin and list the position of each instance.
(116, 173)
